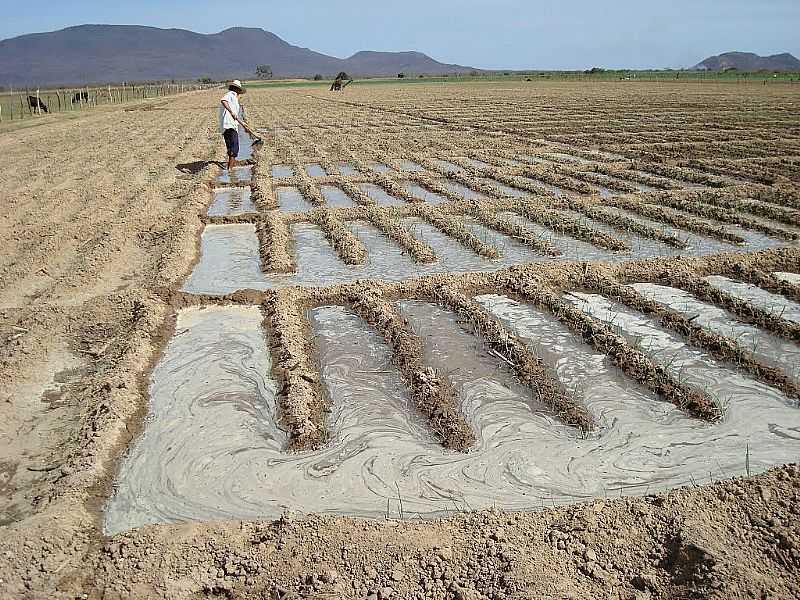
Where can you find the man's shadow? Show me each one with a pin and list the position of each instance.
(193, 168)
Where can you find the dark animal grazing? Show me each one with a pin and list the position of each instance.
(341, 82)
(33, 102)
(80, 97)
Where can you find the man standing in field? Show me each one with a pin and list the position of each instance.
(229, 121)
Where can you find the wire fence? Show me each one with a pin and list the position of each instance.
(33, 102)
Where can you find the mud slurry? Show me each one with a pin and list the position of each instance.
(396, 311)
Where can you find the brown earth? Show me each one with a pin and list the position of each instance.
(102, 220)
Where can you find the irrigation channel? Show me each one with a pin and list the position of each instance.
(575, 365)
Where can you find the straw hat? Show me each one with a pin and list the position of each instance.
(238, 85)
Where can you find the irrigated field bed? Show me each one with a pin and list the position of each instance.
(462, 318)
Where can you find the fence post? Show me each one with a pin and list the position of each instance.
(38, 103)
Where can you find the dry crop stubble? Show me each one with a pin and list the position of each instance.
(130, 234)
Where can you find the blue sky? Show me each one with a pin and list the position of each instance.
(512, 34)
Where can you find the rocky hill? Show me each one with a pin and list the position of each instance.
(747, 61)
(111, 53)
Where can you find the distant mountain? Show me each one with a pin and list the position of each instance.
(105, 53)
(747, 61)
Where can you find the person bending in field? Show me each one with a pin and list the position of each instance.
(229, 121)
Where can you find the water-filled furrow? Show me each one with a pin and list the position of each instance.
(335, 197)
(452, 256)
(753, 240)
(346, 169)
(754, 413)
(790, 277)
(697, 245)
(383, 255)
(229, 261)
(231, 201)
(315, 170)
(379, 167)
(411, 166)
(462, 190)
(282, 171)
(245, 146)
(642, 187)
(571, 248)
(767, 348)
(211, 448)
(640, 247)
(689, 365)
(772, 303)
(423, 193)
(239, 175)
(210, 433)
(504, 189)
(558, 191)
(512, 252)
(290, 199)
(571, 158)
(478, 164)
(447, 167)
(317, 263)
(380, 195)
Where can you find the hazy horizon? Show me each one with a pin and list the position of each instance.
(503, 34)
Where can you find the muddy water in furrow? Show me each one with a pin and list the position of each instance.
(245, 146)
(773, 303)
(506, 190)
(230, 257)
(790, 277)
(211, 429)
(512, 252)
(452, 256)
(380, 195)
(697, 245)
(282, 171)
(346, 169)
(753, 240)
(239, 175)
(640, 247)
(315, 170)
(231, 201)
(753, 412)
(379, 167)
(290, 199)
(335, 197)
(462, 190)
(571, 248)
(211, 448)
(229, 261)
(424, 194)
(768, 348)
(447, 167)
(410, 165)
(478, 164)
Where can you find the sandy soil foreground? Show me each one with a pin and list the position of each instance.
(101, 224)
